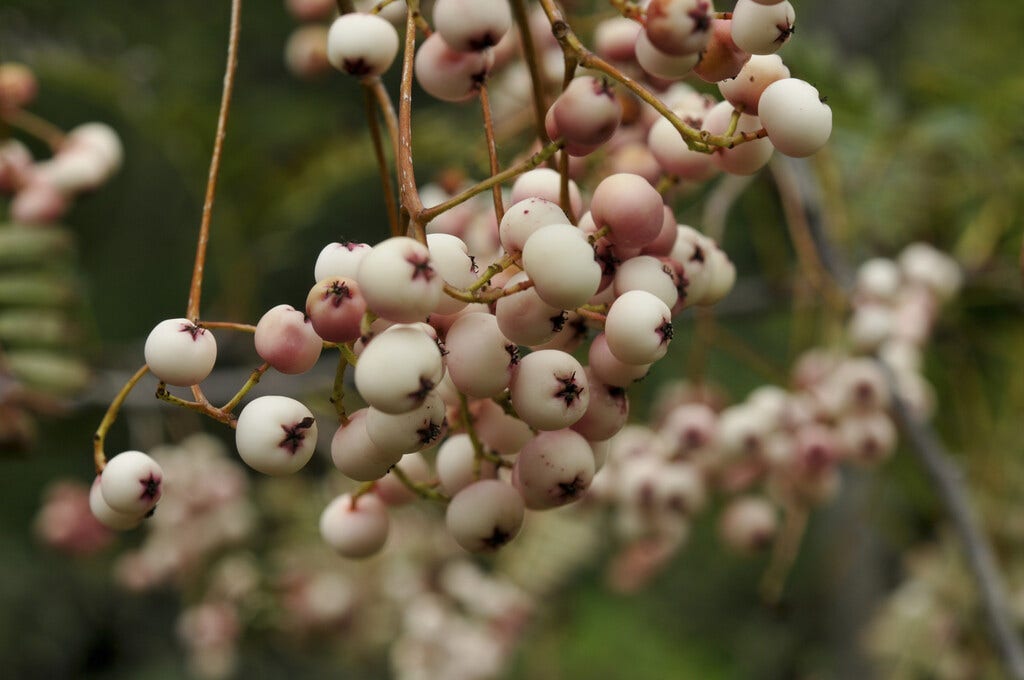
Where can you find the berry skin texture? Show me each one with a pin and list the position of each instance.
(560, 262)
(275, 435)
(131, 483)
(745, 89)
(285, 339)
(549, 390)
(355, 454)
(335, 306)
(449, 75)
(399, 281)
(679, 27)
(630, 207)
(638, 327)
(485, 515)
(797, 121)
(398, 369)
(179, 352)
(762, 29)
(362, 45)
(355, 528)
(553, 469)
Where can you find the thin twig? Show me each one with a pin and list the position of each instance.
(407, 189)
(948, 482)
(382, 161)
(98, 439)
(538, 100)
(196, 288)
(38, 127)
(492, 150)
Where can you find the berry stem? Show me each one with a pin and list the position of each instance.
(422, 490)
(503, 176)
(346, 6)
(489, 296)
(37, 126)
(785, 551)
(229, 325)
(492, 270)
(201, 405)
(803, 240)
(467, 425)
(628, 9)
(563, 187)
(338, 390)
(492, 151)
(540, 106)
(196, 288)
(378, 152)
(254, 378)
(99, 457)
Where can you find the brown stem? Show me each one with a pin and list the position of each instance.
(196, 289)
(492, 150)
(229, 325)
(628, 9)
(100, 458)
(407, 189)
(803, 241)
(382, 161)
(201, 405)
(37, 126)
(540, 106)
(508, 173)
(787, 546)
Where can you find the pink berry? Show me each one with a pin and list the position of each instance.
(630, 207)
(450, 75)
(286, 340)
(485, 515)
(480, 359)
(355, 527)
(335, 307)
(553, 469)
(679, 27)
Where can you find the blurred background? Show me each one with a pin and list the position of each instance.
(927, 145)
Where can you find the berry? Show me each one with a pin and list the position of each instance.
(797, 121)
(362, 45)
(131, 483)
(485, 515)
(285, 339)
(180, 352)
(355, 527)
(275, 435)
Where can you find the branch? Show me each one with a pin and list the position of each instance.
(948, 482)
(196, 288)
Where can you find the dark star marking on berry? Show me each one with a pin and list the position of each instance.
(295, 434)
(513, 353)
(488, 39)
(665, 331)
(785, 31)
(421, 267)
(569, 491)
(698, 254)
(570, 391)
(429, 433)
(150, 487)
(195, 330)
(701, 17)
(498, 538)
(356, 67)
(338, 292)
(426, 384)
(558, 321)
